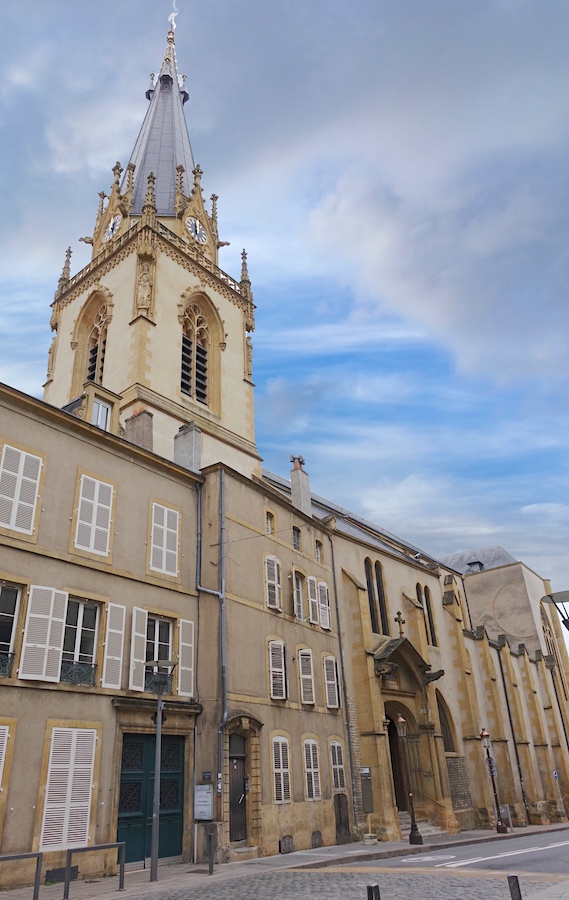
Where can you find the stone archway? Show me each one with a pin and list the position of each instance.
(399, 750)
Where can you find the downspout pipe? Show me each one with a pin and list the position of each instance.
(344, 688)
(222, 617)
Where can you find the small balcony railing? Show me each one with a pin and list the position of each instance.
(78, 673)
(6, 663)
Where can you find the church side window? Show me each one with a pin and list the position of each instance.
(97, 344)
(381, 598)
(371, 598)
(195, 348)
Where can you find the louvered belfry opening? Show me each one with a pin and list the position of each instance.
(97, 346)
(195, 343)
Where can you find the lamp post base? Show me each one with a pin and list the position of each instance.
(415, 837)
(501, 829)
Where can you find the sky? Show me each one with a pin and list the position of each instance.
(397, 170)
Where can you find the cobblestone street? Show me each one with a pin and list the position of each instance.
(332, 885)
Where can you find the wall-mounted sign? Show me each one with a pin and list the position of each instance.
(203, 802)
(206, 776)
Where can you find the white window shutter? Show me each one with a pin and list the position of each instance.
(331, 682)
(338, 772)
(186, 659)
(281, 770)
(43, 635)
(324, 603)
(19, 483)
(297, 594)
(94, 516)
(68, 789)
(277, 671)
(312, 770)
(306, 676)
(164, 544)
(312, 601)
(273, 582)
(114, 642)
(138, 649)
(4, 736)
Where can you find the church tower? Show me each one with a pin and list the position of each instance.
(152, 335)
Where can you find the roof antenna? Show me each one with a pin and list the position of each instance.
(172, 17)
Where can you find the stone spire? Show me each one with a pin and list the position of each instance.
(163, 143)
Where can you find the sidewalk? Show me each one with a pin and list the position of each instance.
(186, 875)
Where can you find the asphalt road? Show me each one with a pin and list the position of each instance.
(546, 854)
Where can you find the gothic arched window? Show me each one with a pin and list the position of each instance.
(195, 347)
(96, 346)
(381, 598)
(446, 730)
(371, 598)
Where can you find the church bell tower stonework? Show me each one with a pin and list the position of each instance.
(152, 325)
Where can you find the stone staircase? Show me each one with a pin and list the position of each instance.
(426, 829)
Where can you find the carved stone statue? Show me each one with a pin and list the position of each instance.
(144, 289)
(249, 359)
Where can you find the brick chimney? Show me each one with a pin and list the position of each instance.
(188, 447)
(300, 486)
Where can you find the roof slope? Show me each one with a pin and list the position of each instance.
(163, 142)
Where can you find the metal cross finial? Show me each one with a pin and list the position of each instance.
(172, 17)
(400, 621)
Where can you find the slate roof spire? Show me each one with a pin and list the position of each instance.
(163, 142)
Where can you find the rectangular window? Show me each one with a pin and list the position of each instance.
(331, 683)
(94, 516)
(269, 523)
(296, 538)
(298, 595)
(101, 416)
(79, 642)
(273, 582)
(324, 604)
(158, 646)
(164, 540)
(319, 552)
(68, 789)
(19, 484)
(312, 770)
(306, 676)
(281, 770)
(337, 766)
(9, 602)
(277, 670)
(312, 601)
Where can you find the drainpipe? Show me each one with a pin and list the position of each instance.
(516, 751)
(222, 622)
(344, 688)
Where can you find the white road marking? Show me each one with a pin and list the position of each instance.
(419, 859)
(470, 862)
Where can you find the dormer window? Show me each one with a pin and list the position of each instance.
(101, 416)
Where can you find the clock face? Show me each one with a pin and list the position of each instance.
(112, 227)
(196, 229)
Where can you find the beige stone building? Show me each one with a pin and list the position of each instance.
(140, 537)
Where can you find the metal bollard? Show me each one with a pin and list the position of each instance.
(210, 851)
(514, 885)
(373, 892)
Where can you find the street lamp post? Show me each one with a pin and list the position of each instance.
(491, 763)
(160, 681)
(560, 600)
(415, 836)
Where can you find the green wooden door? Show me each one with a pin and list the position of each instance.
(137, 791)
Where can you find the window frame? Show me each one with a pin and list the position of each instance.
(273, 601)
(282, 771)
(337, 767)
(82, 604)
(319, 552)
(162, 548)
(296, 538)
(14, 624)
(80, 519)
(306, 677)
(331, 679)
(277, 673)
(18, 502)
(312, 781)
(298, 583)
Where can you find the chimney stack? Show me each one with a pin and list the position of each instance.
(188, 447)
(300, 486)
